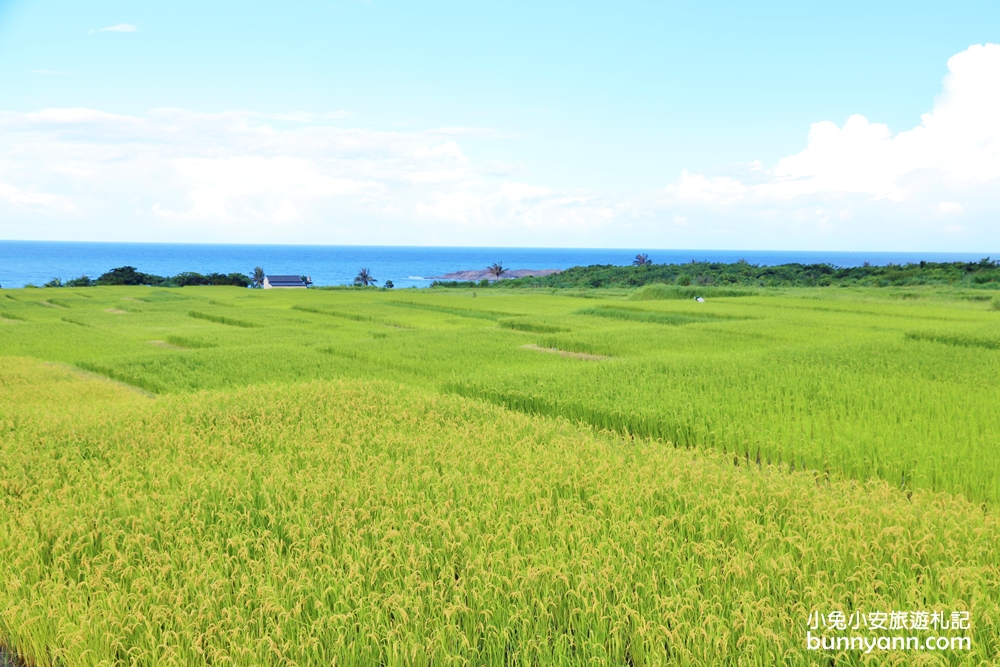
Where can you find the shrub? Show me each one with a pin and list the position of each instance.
(82, 281)
(661, 292)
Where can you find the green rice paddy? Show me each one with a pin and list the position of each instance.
(215, 475)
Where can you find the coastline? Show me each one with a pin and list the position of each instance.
(485, 274)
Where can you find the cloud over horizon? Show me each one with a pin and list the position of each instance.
(176, 175)
(914, 181)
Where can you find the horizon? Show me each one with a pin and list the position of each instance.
(756, 251)
(441, 125)
(38, 262)
(791, 251)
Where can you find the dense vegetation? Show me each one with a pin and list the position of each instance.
(697, 275)
(985, 273)
(220, 475)
(129, 275)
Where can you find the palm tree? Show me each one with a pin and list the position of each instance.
(496, 269)
(365, 278)
(642, 259)
(258, 277)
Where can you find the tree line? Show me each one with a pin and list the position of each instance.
(129, 275)
(985, 273)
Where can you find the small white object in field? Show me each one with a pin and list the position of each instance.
(699, 299)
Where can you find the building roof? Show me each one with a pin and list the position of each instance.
(285, 280)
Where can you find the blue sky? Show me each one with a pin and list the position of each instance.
(597, 124)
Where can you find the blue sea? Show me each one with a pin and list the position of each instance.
(37, 262)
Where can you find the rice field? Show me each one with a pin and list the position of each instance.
(214, 475)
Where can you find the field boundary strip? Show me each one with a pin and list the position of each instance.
(471, 313)
(61, 303)
(869, 313)
(565, 353)
(627, 424)
(96, 372)
(532, 327)
(165, 345)
(219, 319)
(352, 316)
(654, 316)
(182, 342)
(379, 362)
(956, 341)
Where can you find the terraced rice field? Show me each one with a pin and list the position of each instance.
(228, 476)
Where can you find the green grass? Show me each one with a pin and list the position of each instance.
(333, 313)
(842, 381)
(189, 343)
(958, 341)
(230, 321)
(661, 292)
(531, 327)
(651, 316)
(347, 475)
(460, 312)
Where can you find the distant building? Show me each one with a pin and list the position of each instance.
(286, 282)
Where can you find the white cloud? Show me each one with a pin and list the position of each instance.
(860, 178)
(242, 176)
(957, 142)
(695, 188)
(121, 27)
(173, 174)
(38, 200)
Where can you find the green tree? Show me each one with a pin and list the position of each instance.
(496, 270)
(258, 277)
(82, 281)
(129, 275)
(365, 278)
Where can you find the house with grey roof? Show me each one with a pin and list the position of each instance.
(286, 282)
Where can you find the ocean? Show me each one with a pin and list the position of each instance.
(37, 262)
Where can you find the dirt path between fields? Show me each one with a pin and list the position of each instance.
(165, 345)
(564, 353)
